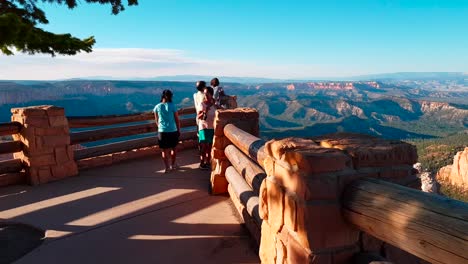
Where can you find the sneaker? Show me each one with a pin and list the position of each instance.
(205, 167)
(167, 170)
(175, 166)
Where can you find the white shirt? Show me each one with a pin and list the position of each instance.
(210, 116)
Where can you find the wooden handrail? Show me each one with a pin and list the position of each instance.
(10, 128)
(431, 227)
(106, 120)
(244, 193)
(115, 132)
(11, 147)
(250, 145)
(250, 171)
(126, 145)
(10, 166)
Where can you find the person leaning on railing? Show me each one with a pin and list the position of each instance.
(167, 120)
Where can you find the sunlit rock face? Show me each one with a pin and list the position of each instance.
(457, 173)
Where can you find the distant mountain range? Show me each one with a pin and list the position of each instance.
(258, 80)
(391, 109)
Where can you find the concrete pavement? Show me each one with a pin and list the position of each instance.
(131, 213)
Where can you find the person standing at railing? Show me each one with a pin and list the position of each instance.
(167, 120)
(218, 92)
(198, 99)
(206, 116)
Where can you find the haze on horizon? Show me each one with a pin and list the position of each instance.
(271, 39)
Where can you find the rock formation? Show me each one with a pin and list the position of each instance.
(457, 173)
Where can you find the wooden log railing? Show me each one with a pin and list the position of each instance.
(115, 132)
(250, 145)
(434, 228)
(11, 169)
(106, 120)
(10, 166)
(122, 131)
(245, 175)
(10, 128)
(126, 145)
(10, 147)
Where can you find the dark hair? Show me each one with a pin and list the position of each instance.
(167, 95)
(210, 90)
(214, 82)
(201, 85)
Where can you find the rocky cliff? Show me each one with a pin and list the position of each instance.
(457, 173)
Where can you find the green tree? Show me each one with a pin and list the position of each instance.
(19, 28)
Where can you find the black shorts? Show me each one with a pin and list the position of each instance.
(168, 140)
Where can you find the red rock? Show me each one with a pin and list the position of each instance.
(457, 173)
(58, 121)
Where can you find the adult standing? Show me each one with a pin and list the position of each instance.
(197, 100)
(206, 117)
(167, 119)
(199, 95)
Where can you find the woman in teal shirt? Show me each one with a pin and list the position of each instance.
(167, 120)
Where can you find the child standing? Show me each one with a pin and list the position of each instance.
(167, 120)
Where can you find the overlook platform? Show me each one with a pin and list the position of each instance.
(131, 213)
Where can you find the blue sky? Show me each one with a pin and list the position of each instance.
(280, 39)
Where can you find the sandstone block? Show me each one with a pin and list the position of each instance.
(322, 187)
(51, 131)
(54, 110)
(263, 201)
(36, 121)
(34, 111)
(42, 160)
(221, 142)
(58, 121)
(290, 201)
(55, 141)
(292, 180)
(306, 156)
(45, 175)
(65, 170)
(296, 253)
(32, 174)
(218, 154)
(280, 252)
(267, 250)
(275, 199)
(219, 184)
(70, 152)
(324, 226)
(61, 155)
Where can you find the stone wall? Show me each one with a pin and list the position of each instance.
(300, 199)
(245, 119)
(47, 154)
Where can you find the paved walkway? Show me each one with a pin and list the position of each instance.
(131, 213)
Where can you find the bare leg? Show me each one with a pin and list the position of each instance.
(202, 153)
(208, 147)
(173, 157)
(165, 156)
